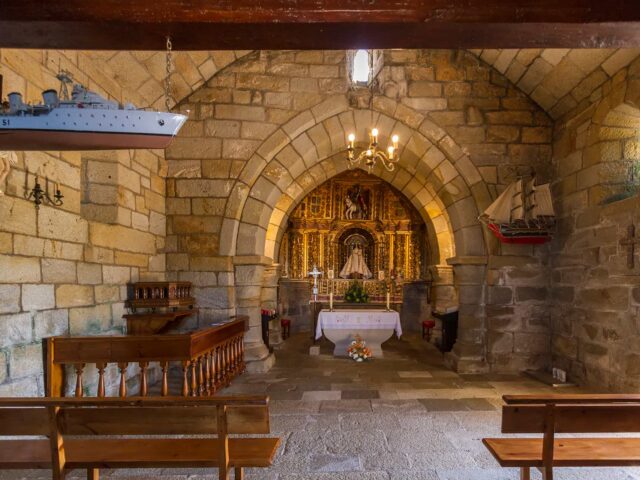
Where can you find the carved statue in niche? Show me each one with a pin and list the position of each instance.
(7, 159)
(356, 265)
(356, 203)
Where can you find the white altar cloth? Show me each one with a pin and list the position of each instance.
(374, 326)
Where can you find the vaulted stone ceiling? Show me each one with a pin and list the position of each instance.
(556, 79)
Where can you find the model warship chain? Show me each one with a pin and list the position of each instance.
(82, 120)
(523, 213)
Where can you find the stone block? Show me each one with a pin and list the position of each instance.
(107, 293)
(614, 298)
(15, 329)
(18, 216)
(38, 297)
(90, 321)
(532, 294)
(500, 295)
(58, 271)
(25, 360)
(500, 342)
(503, 133)
(74, 296)
(29, 246)
(9, 298)
(116, 275)
(50, 323)
(6, 242)
(60, 225)
(122, 238)
(19, 269)
(89, 273)
(532, 343)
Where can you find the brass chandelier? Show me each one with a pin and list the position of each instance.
(373, 153)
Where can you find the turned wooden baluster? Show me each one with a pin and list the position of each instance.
(79, 367)
(229, 362)
(207, 374)
(123, 379)
(237, 343)
(201, 385)
(101, 390)
(234, 356)
(143, 378)
(223, 365)
(185, 378)
(164, 390)
(194, 379)
(218, 366)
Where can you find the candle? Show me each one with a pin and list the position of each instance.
(388, 300)
(331, 301)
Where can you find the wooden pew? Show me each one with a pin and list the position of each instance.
(574, 414)
(63, 420)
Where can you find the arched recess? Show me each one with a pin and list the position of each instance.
(611, 165)
(434, 173)
(439, 233)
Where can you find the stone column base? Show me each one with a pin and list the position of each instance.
(258, 359)
(466, 364)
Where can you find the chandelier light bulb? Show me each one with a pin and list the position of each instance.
(395, 140)
(352, 137)
(390, 150)
(374, 132)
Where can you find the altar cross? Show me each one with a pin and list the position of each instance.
(630, 242)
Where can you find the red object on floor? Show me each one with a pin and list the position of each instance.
(285, 323)
(427, 325)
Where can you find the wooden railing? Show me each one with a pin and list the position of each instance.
(208, 360)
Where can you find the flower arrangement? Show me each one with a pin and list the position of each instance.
(356, 294)
(358, 350)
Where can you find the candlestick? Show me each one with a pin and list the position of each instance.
(388, 301)
(331, 301)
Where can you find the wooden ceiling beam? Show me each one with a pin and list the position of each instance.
(318, 24)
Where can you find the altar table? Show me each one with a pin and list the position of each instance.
(373, 326)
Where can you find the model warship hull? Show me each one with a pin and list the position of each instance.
(89, 129)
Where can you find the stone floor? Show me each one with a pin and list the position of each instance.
(401, 417)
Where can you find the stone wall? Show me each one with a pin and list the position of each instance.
(272, 126)
(595, 295)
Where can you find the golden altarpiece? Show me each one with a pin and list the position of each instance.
(355, 210)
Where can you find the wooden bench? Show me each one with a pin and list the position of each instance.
(77, 430)
(574, 414)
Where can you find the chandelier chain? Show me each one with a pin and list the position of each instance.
(169, 71)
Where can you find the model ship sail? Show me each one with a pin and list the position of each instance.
(523, 213)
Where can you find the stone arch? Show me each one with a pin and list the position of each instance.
(437, 175)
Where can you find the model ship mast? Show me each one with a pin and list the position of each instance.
(523, 213)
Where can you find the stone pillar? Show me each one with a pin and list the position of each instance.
(469, 352)
(249, 276)
(269, 300)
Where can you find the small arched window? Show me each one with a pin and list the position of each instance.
(361, 68)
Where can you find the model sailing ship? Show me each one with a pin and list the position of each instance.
(82, 120)
(522, 214)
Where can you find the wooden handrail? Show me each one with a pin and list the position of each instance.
(174, 401)
(573, 398)
(209, 359)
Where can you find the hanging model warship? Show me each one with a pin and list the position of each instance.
(82, 120)
(522, 214)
